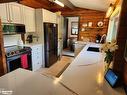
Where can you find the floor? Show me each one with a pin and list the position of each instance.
(54, 69)
(67, 52)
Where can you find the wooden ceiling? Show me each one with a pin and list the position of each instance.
(36, 3)
(45, 4)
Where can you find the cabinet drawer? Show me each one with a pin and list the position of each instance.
(37, 48)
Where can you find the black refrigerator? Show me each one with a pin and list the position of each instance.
(50, 43)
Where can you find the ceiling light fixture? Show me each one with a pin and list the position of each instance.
(110, 10)
(59, 3)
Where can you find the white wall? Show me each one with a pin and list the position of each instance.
(10, 40)
(113, 25)
(71, 19)
(60, 22)
(113, 29)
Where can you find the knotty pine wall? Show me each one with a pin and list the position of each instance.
(87, 15)
(3, 68)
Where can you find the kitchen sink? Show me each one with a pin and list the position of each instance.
(93, 49)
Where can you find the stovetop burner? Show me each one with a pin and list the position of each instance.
(16, 50)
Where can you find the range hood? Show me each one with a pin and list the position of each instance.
(6, 1)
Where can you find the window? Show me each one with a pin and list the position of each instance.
(74, 28)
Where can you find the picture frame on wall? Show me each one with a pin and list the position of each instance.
(74, 28)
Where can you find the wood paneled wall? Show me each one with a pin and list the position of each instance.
(89, 16)
(121, 40)
(3, 68)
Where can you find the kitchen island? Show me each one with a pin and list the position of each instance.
(84, 76)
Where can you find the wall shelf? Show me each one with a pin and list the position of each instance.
(93, 27)
(89, 28)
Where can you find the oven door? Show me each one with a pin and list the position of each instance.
(13, 63)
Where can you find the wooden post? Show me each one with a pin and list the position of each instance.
(119, 61)
(3, 68)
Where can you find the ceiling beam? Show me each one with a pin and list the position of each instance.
(6, 1)
(35, 3)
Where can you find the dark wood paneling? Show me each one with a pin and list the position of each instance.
(121, 40)
(3, 68)
(6, 1)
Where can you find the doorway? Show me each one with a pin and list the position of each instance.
(70, 35)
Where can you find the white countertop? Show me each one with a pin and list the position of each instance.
(84, 76)
(23, 82)
(81, 42)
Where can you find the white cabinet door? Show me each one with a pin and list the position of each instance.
(36, 57)
(39, 53)
(35, 61)
(15, 13)
(3, 13)
(29, 18)
(49, 16)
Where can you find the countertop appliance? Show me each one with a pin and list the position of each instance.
(12, 28)
(51, 43)
(13, 57)
(112, 78)
(29, 38)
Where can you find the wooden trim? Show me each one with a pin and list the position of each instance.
(3, 68)
(119, 60)
(6, 1)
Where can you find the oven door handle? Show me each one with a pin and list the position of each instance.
(13, 58)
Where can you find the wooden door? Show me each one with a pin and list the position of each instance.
(65, 34)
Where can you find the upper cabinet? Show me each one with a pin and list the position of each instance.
(29, 18)
(17, 13)
(49, 16)
(15, 10)
(3, 13)
(11, 13)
